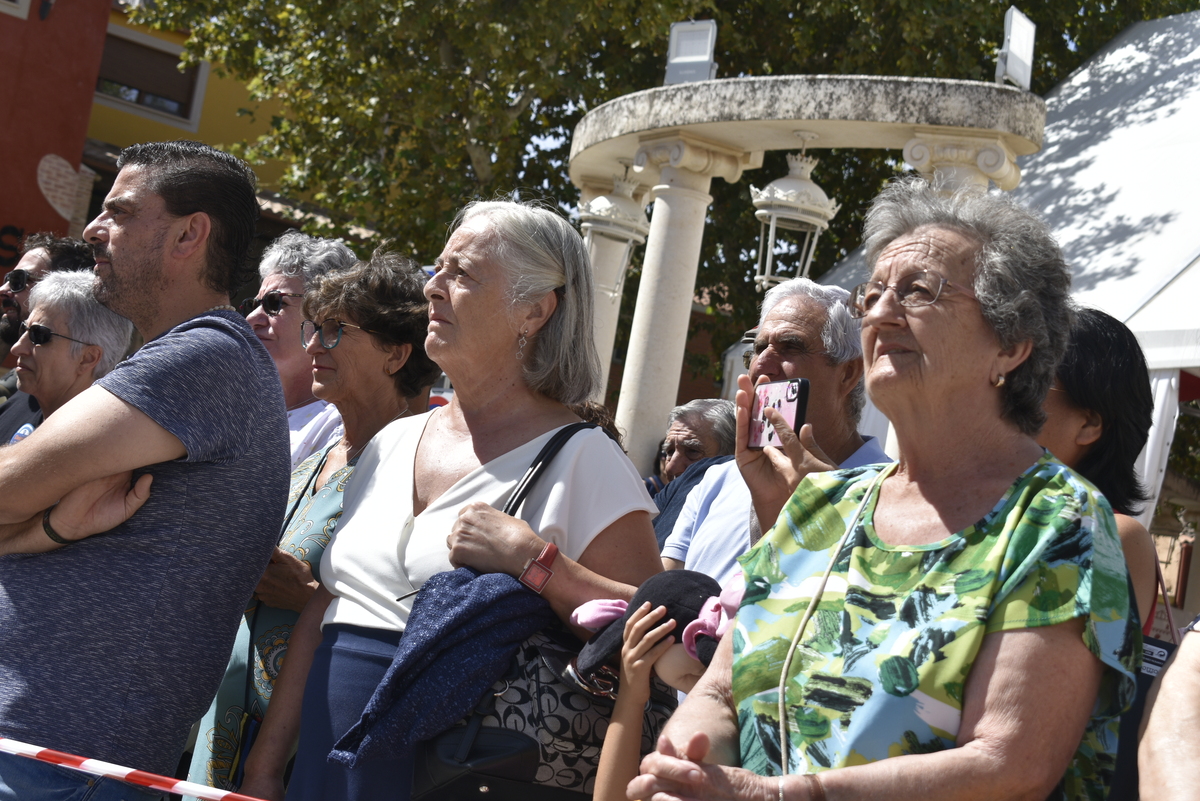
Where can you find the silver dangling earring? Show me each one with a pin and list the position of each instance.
(999, 381)
(521, 347)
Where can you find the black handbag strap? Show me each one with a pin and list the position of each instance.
(488, 702)
(540, 462)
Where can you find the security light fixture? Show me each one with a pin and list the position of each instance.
(1015, 60)
(690, 52)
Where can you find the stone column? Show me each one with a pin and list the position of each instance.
(650, 383)
(613, 224)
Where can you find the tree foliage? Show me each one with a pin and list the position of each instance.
(400, 111)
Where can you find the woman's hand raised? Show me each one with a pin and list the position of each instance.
(771, 473)
(490, 541)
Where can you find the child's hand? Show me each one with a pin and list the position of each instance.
(644, 645)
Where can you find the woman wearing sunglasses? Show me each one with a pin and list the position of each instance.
(68, 342)
(366, 358)
(288, 267)
(954, 626)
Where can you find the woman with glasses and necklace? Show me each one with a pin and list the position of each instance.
(954, 626)
(288, 267)
(364, 336)
(68, 341)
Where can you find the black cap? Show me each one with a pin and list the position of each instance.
(682, 592)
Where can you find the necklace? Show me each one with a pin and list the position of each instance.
(225, 307)
(352, 452)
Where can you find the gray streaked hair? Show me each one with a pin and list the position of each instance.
(542, 253)
(69, 293)
(718, 413)
(841, 335)
(1020, 277)
(296, 254)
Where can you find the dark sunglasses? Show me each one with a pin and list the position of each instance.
(329, 332)
(41, 335)
(19, 279)
(272, 302)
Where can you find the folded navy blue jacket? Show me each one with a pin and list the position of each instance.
(463, 631)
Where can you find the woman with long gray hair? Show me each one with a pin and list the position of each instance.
(510, 322)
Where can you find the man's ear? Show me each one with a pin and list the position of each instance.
(192, 232)
(849, 374)
(539, 313)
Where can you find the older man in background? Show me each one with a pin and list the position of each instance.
(702, 434)
(805, 331)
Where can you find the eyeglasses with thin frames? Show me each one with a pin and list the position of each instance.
(41, 335)
(922, 288)
(18, 279)
(328, 332)
(272, 302)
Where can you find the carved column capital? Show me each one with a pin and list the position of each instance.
(963, 159)
(686, 152)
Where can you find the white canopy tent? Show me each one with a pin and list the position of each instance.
(1117, 179)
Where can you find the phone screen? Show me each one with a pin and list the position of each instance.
(789, 397)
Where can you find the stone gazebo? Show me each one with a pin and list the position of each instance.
(677, 138)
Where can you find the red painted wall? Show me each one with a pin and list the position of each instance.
(48, 71)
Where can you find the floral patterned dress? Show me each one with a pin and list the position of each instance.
(881, 668)
(315, 512)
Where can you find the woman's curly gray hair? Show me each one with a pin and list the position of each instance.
(542, 253)
(1021, 279)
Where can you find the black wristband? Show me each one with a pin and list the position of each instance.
(49, 529)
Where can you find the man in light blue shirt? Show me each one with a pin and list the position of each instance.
(805, 331)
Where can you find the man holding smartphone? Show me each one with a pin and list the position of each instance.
(805, 331)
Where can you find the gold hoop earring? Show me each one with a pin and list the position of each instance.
(999, 382)
(521, 346)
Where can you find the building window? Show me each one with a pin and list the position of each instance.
(140, 74)
(18, 8)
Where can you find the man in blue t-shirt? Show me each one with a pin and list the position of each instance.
(111, 646)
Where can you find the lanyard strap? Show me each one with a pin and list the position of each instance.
(808, 613)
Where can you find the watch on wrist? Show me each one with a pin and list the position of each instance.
(537, 571)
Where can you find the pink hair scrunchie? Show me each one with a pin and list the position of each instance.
(595, 615)
(715, 617)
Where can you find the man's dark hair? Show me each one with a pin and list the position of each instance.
(191, 177)
(65, 253)
(1104, 370)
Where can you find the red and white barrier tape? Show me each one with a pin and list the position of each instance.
(139, 778)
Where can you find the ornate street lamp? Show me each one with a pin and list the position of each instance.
(791, 203)
(619, 218)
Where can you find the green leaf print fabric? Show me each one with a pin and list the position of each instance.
(881, 669)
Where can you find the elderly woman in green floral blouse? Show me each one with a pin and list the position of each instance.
(956, 625)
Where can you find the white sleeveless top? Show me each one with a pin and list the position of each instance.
(381, 552)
